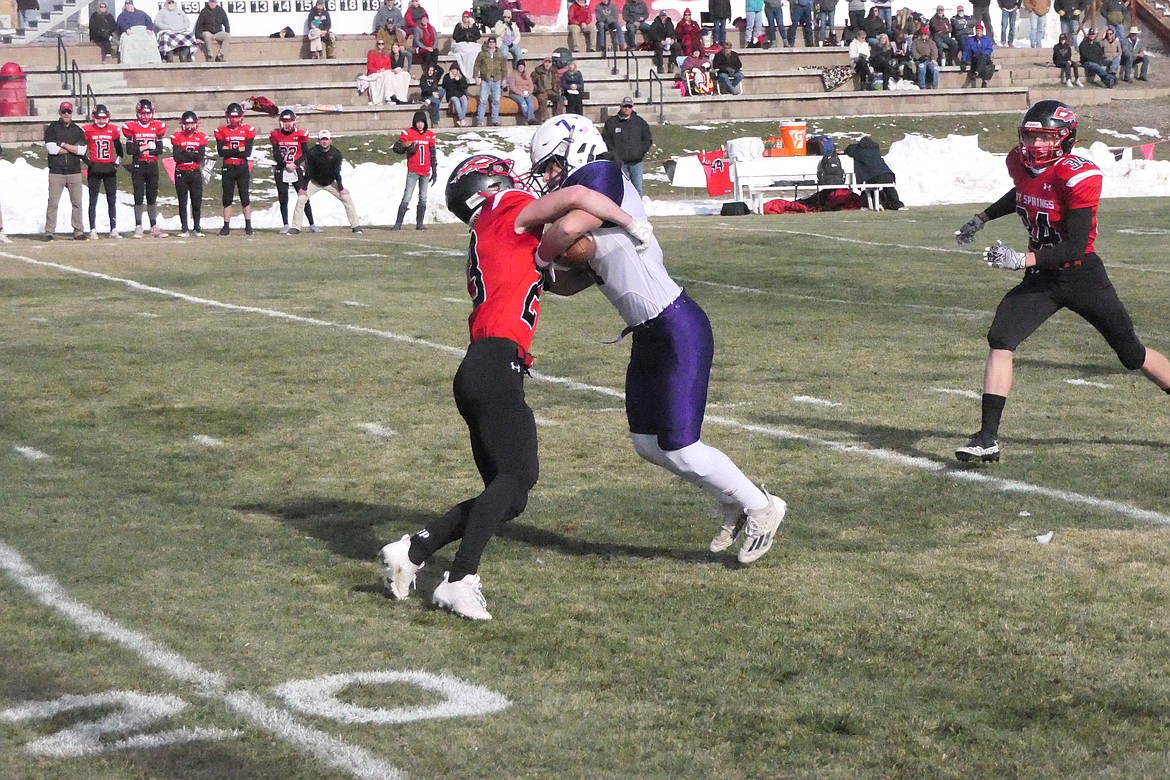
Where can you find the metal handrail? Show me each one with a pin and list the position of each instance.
(611, 55)
(652, 77)
(89, 101)
(637, 72)
(76, 92)
(63, 62)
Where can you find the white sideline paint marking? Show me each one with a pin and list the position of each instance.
(374, 429)
(840, 240)
(963, 393)
(149, 315)
(1087, 383)
(31, 454)
(206, 441)
(374, 254)
(808, 399)
(889, 456)
(319, 697)
(39, 320)
(545, 422)
(455, 300)
(330, 749)
(356, 303)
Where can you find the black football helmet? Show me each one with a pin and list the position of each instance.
(234, 114)
(474, 180)
(1047, 133)
(144, 111)
(288, 120)
(189, 121)
(100, 115)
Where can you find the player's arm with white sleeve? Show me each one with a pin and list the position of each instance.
(573, 211)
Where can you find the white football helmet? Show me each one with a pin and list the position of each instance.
(569, 139)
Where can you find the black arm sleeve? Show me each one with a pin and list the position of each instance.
(1077, 224)
(183, 156)
(1002, 207)
(118, 147)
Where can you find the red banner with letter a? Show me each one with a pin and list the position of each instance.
(717, 169)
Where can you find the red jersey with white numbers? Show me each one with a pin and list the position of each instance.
(235, 138)
(189, 142)
(502, 279)
(1044, 200)
(288, 147)
(148, 137)
(99, 143)
(423, 157)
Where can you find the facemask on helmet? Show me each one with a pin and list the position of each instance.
(234, 115)
(1047, 133)
(144, 111)
(288, 121)
(475, 180)
(570, 141)
(101, 115)
(189, 121)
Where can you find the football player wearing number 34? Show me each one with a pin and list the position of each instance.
(670, 361)
(1056, 194)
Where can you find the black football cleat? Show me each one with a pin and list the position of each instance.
(980, 449)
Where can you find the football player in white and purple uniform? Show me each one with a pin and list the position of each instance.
(670, 361)
(1056, 194)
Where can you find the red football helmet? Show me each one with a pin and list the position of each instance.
(475, 180)
(144, 111)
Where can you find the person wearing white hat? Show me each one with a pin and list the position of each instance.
(1134, 54)
(323, 170)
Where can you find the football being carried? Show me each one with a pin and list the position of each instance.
(579, 253)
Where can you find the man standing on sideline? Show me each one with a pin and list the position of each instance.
(323, 169)
(505, 281)
(234, 142)
(418, 143)
(103, 155)
(628, 137)
(289, 146)
(212, 26)
(65, 145)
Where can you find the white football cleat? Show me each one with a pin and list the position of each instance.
(760, 529)
(733, 523)
(464, 597)
(397, 570)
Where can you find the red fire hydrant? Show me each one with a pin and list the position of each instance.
(13, 90)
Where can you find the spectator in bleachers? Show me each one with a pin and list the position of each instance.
(426, 42)
(628, 138)
(1072, 16)
(881, 59)
(508, 36)
(547, 89)
(800, 14)
(518, 14)
(319, 17)
(132, 17)
(977, 57)
(728, 68)
(859, 56)
(940, 32)
(608, 28)
(581, 24)
(455, 88)
(1134, 54)
(662, 38)
(874, 25)
(753, 28)
(924, 52)
(212, 27)
(465, 43)
(775, 33)
(374, 81)
(695, 73)
(1038, 15)
(900, 43)
(413, 16)
(981, 13)
(856, 18)
(720, 11)
(391, 32)
(886, 11)
(825, 12)
(634, 14)
(490, 69)
(388, 12)
(688, 33)
(522, 90)
(1093, 59)
(573, 89)
(1112, 48)
(173, 30)
(1113, 12)
(430, 87)
(1009, 12)
(103, 30)
(1062, 57)
(962, 27)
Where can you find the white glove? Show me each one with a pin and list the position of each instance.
(642, 232)
(999, 256)
(966, 234)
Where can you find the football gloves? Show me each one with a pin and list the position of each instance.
(999, 256)
(966, 234)
(642, 232)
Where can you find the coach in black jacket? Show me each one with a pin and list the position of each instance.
(628, 138)
(323, 170)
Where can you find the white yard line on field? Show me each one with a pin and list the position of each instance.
(942, 469)
(953, 391)
(331, 750)
(30, 453)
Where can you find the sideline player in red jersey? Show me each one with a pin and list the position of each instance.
(190, 150)
(103, 155)
(289, 146)
(144, 137)
(233, 141)
(1056, 195)
(418, 143)
(504, 283)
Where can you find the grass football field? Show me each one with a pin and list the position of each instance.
(204, 444)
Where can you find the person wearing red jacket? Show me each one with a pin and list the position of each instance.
(144, 137)
(233, 141)
(688, 33)
(103, 155)
(418, 143)
(189, 147)
(426, 43)
(581, 23)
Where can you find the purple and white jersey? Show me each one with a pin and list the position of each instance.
(636, 284)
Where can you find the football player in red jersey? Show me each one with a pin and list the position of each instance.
(103, 155)
(418, 143)
(190, 150)
(504, 282)
(233, 141)
(1056, 194)
(144, 137)
(289, 145)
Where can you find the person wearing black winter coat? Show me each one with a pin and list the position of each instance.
(870, 168)
(720, 11)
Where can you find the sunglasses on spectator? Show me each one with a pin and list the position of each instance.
(66, 111)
